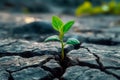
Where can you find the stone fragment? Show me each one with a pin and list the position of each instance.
(26, 48)
(85, 73)
(54, 67)
(83, 56)
(4, 75)
(36, 73)
(15, 63)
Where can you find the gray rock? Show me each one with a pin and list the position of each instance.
(40, 27)
(109, 57)
(83, 56)
(54, 67)
(117, 39)
(37, 31)
(96, 47)
(4, 75)
(100, 39)
(95, 38)
(114, 71)
(36, 73)
(113, 30)
(15, 63)
(28, 48)
(85, 73)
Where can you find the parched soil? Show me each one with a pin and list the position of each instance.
(25, 56)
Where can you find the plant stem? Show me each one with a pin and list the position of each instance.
(62, 53)
(62, 46)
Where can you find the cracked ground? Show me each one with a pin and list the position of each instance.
(25, 56)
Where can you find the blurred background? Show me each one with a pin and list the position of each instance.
(73, 7)
(96, 21)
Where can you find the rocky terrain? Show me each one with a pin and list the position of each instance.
(25, 56)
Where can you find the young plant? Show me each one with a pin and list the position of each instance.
(62, 28)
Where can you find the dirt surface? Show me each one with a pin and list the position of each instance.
(24, 55)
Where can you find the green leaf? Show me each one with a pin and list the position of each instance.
(72, 41)
(67, 26)
(52, 38)
(57, 23)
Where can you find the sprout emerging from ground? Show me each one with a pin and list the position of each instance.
(62, 28)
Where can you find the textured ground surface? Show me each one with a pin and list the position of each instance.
(24, 55)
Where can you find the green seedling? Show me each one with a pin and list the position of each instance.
(62, 28)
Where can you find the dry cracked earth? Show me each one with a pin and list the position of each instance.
(24, 55)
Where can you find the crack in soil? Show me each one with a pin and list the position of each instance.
(97, 58)
(101, 66)
(66, 63)
(111, 67)
(35, 65)
(10, 75)
(63, 63)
